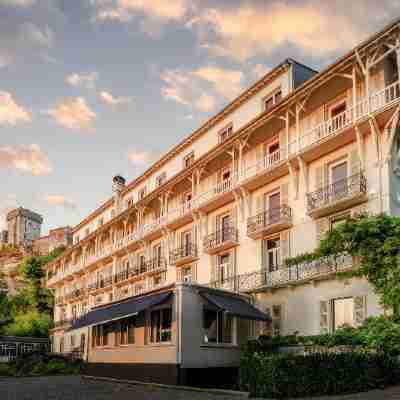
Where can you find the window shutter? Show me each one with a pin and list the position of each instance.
(360, 309)
(319, 178)
(261, 253)
(259, 153)
(285, 245)
(324, 317)
(213, 266)
(259, 204)
(284, 191)
(322, 226)
(354, 163)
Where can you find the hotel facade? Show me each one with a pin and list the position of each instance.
(184, 264)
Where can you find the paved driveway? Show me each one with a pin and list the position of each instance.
(75, 388)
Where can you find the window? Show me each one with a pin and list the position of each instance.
(273, 99)
(223, 267)
(74, 311)
(87, 232)
(142, 193)
(101, 221)
(125, 332)
(161, 179)
(62, 345)
(186, 274)
(129, 203)
(337, 109)
(76, 239)
(273, 206)
(100, 335)
(217, 326)
(343, 313)
(72, 341)
(225, 133)
(339, 179)
(160, 325)
(271, 254)
(188, 160)
(274, 328)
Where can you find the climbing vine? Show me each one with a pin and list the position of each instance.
(374, 241)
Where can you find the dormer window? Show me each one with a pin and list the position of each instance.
(101, 222)
(161, 179)
(272, 99)
(87, 232)
(188, 160)
(225, 133)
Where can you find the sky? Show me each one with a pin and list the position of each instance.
(94, 88)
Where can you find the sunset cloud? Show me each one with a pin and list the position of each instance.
(61, 201)
(11, 113)
(109, 99)
(201, 88)
(313, 27)
(140, 157)
(73, 114)
(25, 158)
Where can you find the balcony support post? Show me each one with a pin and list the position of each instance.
(392, 126)
(246, 202)
(304, 173)
(293, 179)
(360, 142)
(375, 135)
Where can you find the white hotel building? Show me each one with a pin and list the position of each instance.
(160, 279)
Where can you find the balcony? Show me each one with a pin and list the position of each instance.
(59, 300)
(103, 283)
(63, 324)
(221, 240)
(183, 255)
(75, 294)
(270, 221)
(223, 277)
(286, 276)
(156, 265)
(337, 196)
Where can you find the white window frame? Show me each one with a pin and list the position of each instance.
(272, 96)
(225, 132)
(187, 157)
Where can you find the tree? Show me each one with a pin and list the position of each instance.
(31, 308)
(375, 242)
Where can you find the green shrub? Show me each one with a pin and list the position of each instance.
(286, 375)
(5, 370)
(382, 335)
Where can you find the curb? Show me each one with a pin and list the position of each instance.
(244, 395)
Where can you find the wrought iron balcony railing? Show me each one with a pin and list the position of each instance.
(343, 189)
(267, 219)
(187, 251)
(282, 276)
(220, 237)
(156, 264)
(76, 293)
(102, 283)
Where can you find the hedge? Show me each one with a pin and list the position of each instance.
(288, 376)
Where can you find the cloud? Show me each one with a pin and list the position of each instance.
(60, 200)
(315, 28)
(18, 3)
(141, 157)
(109, 99)
(206, 103)
(226, 82)
(25, 158)
(159, 9)
(12, 113)
(20, 41)
(260, 70)
(73, 113)
(87, 80)
(201, 88)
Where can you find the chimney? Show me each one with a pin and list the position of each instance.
(118, 185)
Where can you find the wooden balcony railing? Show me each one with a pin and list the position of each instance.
(182, 253)
(344, 189)
(221, 238)
(269, 219)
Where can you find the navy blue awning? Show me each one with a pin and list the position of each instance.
(120, 310)
(235, 306)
